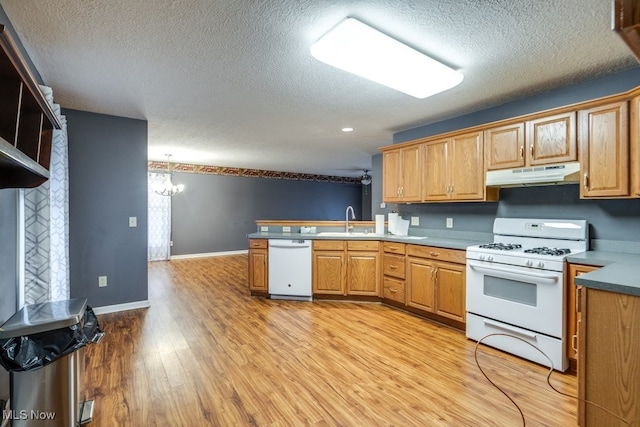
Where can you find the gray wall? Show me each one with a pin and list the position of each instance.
(609, 219)
(216, 212)
(8, 267)
(107, 185)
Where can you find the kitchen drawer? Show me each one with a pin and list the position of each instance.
(393, 289)
(363, 245)
(258, 243)
(328, 245)
(393, 265)
(440, 254)
(394, 248)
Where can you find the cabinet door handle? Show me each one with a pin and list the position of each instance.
(393, 248)
(574, 343)
(393, 267)
(522, 151)
(585, 180)
(434, 253)
(395, 291)
(435, 275)
(531, 150)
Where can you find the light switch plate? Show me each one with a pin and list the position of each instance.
(264, 228)
(415, 220)
(133, 221)
(383, 205)
(102, 281)
(286, 229)
(449, 222)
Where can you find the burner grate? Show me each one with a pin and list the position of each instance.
(501, 246)
(548, 251)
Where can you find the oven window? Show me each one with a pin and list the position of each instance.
(511, 290)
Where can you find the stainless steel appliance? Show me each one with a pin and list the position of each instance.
(516, 286)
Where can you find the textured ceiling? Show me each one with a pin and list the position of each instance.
(232, 82)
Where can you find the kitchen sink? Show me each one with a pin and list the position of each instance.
(344, 233)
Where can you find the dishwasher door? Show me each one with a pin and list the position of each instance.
(290, 269)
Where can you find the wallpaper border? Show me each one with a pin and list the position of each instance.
(154, 166)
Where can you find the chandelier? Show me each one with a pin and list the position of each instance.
(167, 188)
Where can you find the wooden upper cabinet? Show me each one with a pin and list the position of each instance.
(604, 150)
(504, 146)
(542, 141)
(391, 175)
(467, 167)
(454, 168)
(436, 179)
(401, 169)
(552, 139)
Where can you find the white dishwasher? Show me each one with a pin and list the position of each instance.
(290, 269)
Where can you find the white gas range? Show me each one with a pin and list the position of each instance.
(516, 286)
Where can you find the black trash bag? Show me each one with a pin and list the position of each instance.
(31, 352)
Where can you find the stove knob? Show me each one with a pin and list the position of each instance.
(540, 264)
(481, 257)
(529, 263)
(489, 258)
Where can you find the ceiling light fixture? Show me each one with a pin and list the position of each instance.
(366, 178)
(359, 49)
(167, 188)
(347, 129)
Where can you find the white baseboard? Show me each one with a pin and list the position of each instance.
(209, 254)
(121, 307)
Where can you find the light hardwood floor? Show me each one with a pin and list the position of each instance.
(206, 353)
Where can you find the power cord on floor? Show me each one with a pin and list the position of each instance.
(524, 423)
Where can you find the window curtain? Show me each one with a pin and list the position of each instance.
(46, 224)
(159, 219)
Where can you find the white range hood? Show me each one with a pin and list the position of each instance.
(567, 173)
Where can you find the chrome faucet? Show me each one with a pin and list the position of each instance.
(346, 220)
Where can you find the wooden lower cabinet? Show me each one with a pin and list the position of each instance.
(363, 273)
(609, 358)
(346, 267)
(573, 315)
(258, 265)
(329, 267)
(451, 291)
(436, 286)
(393, 271)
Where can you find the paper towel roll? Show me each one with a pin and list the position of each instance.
(393, 220)
(379, 224)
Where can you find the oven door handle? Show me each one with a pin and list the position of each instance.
(506, 273)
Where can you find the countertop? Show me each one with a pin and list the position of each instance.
(620, 272)
(437, 241)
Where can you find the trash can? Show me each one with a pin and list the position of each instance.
(42, 348)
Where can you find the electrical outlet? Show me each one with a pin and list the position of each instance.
(286, 229)
(171, 243)
(383, 205)
(415, 220)
(133, 221)
(264, 228)
(102, 281)
(449, 222)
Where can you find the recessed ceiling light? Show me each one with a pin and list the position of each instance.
(359, 49)
(347, 129)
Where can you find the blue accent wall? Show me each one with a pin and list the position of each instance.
(107, 185)
(216, 212)
(585, 91)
